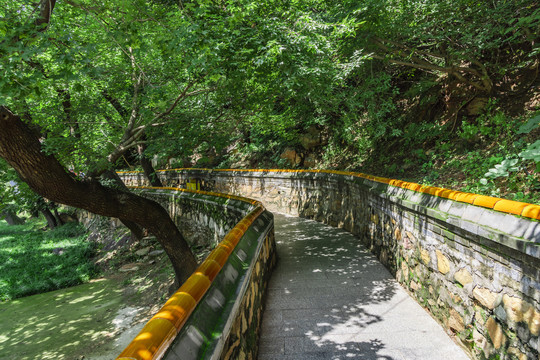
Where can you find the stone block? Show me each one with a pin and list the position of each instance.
(523, 332)
(500, 313)
(533, 320)
(519, 310)
(463, 277)
(397, 234)
(443, 264)
(482, 343)
(456, 298)
(496, 333)
(424, 254)
(415, 286)
(486, 297)
(455, 321)
(479, 316)
(517, 353)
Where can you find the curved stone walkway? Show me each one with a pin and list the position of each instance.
(330, 298)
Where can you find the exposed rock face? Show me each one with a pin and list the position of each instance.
(292, 156)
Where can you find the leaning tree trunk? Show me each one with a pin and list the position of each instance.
(21, 148)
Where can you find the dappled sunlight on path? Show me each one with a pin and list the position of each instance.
(330, 298)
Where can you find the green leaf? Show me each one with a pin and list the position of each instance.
(532, 152)
(532, 124)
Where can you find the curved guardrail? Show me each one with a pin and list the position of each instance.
(198, 317)
(531, 211)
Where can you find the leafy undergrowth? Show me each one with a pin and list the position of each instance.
(34, 261)
(496, 156)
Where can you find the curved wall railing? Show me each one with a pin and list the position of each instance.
(473, 261)
(202, 319)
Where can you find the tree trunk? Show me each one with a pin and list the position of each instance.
(148, 169)
(57, 216)
(51, 221)
(11, 218)
(21, 148)
(137, 232)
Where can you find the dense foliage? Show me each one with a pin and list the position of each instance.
(398, 88)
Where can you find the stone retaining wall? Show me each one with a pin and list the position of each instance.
(216, 313)
(475, 269)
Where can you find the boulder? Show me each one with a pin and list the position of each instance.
(292, 156)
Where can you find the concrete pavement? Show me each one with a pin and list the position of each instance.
(330, 298)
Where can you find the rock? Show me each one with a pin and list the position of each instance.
(455, 321)
(534, 322)
(515, 308)
(476, 106)
(495, 333)
(424, 254)
(517, 353)
(143, 251)
(463, 277)
(478, 316)
(310, 139)
(291, 156)
(535, 343)
(129, 267)
(485, 297)
(310, 161)
(443, 264)
(156, 253)
(405, 271)
(415, 286)
(58, 251)
(68, 218)
(500, 313)
(148, 240)
(482, 343)
(519, 310)
(523, 333)
(456, 298)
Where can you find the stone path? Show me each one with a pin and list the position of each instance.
(329, 298)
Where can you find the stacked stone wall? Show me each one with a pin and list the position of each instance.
(475, 269)
(242, 341)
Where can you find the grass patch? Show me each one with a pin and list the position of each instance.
(34, 261)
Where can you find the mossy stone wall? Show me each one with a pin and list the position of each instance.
(475, 269)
